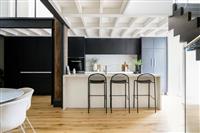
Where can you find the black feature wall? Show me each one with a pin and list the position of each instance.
(28, 62)
(113, 46)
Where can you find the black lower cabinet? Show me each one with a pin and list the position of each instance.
(29, 63)
(42, 83)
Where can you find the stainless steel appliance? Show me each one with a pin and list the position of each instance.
(77, 63)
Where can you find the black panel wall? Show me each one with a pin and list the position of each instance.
(113, 46)
(28, 62)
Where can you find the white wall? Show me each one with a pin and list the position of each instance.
(176, 71)
(113, 62)
(192, 78)
(175, 65)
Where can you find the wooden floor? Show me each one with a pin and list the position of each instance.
(47, 119)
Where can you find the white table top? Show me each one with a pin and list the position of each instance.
(7, 94)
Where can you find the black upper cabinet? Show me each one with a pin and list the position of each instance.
(113, 46)
(76, 47)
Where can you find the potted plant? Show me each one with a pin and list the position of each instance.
(138, 64)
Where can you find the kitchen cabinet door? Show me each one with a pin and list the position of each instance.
(160, 66)
(160, 43)
(147, 61)
(76, 46)
(147, 42)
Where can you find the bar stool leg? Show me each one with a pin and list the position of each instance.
(134, 94)
(104, 95)
(111, 97)
(148, 95)
(88, 97)
(125, 96)
(137, 99)
(155, 96)
(129, 106)
(105, 98)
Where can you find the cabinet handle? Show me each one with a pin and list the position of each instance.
(35, 72)
(152, 62)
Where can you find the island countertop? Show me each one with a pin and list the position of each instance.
(109, 74)
(75, 91)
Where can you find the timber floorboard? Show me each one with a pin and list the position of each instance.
(46, 119)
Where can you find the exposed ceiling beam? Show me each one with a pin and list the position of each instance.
(100, 18)
(107, 15)
(121, 11)
(57, 5)
(69, 24)
(149, 21)
(161, 32)
(80, 10)
(135, 33)
(87, 27)
(131, 23)
(162, 22)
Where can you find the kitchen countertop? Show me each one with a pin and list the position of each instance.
(109, 74)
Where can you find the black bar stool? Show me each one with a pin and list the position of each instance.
(120, 79)
(145, 78)
(97, 78)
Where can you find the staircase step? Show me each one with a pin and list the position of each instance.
(184, 25)
(198, 54)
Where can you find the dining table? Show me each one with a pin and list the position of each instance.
(9, 94)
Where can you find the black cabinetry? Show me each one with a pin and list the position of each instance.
(76, 54)
(28, 62)
(76, 47)
(113, 46)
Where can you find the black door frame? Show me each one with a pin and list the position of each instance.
(33, 23)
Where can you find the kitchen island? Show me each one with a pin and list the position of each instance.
(75, 91)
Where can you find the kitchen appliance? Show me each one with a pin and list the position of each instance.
(77, 63)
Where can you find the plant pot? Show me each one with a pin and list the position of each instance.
(137, 68)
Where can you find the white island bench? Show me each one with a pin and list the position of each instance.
(75, 91)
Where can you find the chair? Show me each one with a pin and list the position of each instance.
(120, 79)
(145, 78)
(97, 78)
(28, 92)
(13, 114)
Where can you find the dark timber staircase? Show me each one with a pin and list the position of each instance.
(186, 25)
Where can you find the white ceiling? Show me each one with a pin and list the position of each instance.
(115, 18)
(24, 32)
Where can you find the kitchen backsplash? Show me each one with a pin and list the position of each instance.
(113, 62)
